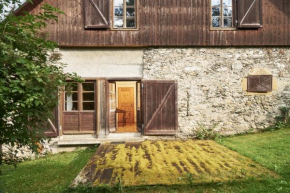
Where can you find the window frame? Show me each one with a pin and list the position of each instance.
(80, 101)
(234, 11)
(112, 15)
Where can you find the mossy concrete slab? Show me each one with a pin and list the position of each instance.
(167, 162)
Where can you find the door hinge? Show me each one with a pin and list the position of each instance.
(142, 126)
(142, 85)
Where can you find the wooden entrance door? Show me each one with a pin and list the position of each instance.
(126, 102)
(159, 103)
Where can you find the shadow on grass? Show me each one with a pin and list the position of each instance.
(249, 185)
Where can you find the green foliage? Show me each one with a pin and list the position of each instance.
(283, 120)
(30, 76)
(190, 179)
(104, 188)
(204, 133)
(52, 173)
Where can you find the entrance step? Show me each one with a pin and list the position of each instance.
(82, 136)
(84, 139)
(123, 135)
(71, 140)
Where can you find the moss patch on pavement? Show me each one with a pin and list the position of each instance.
(167, 163)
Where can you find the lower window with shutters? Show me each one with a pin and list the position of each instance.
(79, 115)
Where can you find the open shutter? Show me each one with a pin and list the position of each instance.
(249, 13)
(52, 126)
(96, 14)
(112, 107)
(160, 107)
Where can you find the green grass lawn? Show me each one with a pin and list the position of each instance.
(52, 173)
(55, 172)
(271, 149)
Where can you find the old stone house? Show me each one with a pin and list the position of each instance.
(166, 67)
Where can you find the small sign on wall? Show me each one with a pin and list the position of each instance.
(259, 83)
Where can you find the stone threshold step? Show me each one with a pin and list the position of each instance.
(71, 142)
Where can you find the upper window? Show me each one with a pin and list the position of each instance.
(124, 14)
(221, 14)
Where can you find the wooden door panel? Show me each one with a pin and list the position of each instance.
(160, 107)
(70, 122)
(78, 122)
(87, 122)
(126, 102)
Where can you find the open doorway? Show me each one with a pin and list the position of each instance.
(124, 106)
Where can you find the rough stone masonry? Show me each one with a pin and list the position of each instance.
(211, 85)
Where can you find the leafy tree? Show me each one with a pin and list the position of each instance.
(30, 75)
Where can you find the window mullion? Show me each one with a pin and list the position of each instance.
(80, 96)
(222, 13)
(124, 13)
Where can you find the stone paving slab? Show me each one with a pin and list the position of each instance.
(167, 162)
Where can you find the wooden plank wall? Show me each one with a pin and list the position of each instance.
(171, 23)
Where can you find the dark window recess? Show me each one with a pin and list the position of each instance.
(260, 83)
(249, 13)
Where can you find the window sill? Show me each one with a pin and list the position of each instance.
(223, 28)
(124, 29)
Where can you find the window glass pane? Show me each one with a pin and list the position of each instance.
(118, 2)
(130, 23)
(228, 22)
(88, 86)
(130, 2)
(71, 97)
(130, 12)
(216, 11)
(215, 2)
(215, 21)
(118, 11)
(227, 11)
(227, 2)
(88, 106)
(88, 96)
(71, 106)
(118, 22)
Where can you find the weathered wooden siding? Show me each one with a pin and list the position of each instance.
(171, 23)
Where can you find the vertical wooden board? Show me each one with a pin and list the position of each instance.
(87, 121)
(160, 107)
(70, 122)
(104, 127)
(165, 23)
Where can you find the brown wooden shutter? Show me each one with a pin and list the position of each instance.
(160, 107)
(96, 14)
(52, 125)
(260, 83)
(249, 13)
